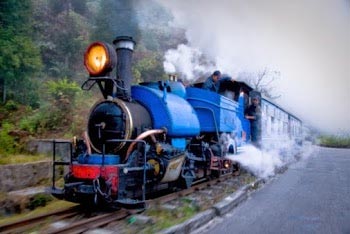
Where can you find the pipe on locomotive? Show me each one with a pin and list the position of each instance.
(124, 48)
(141, 137)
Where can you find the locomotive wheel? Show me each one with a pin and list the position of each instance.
(158, 168)
(155, 165)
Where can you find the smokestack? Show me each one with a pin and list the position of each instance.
(124, 47)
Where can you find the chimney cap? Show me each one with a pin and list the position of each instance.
(124, 42)
(123, 38)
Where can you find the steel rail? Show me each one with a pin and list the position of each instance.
(90, 223)
(19, 226)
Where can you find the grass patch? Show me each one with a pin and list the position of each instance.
(334, 141)
(164, 218)
(21, 158)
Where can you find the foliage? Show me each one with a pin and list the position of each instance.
(116, 18)
(36, 122)
(11, 106)
(19, 57)
(62, 88)
(334, 141)
(62, 95)
(38, 200)
(41, 59)
(47, 118)
(12, 139)
(57, 112)
(148, 67)
(62, 32)
(7, 142)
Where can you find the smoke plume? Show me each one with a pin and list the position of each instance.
(307, 41)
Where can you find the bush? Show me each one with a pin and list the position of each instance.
(334, 141)
(38, 200)
(7, 142)
(63, 89)
(33, 123)
(57, 111)
(48, 117)
(11, 106)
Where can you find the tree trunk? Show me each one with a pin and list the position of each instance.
(3, 89)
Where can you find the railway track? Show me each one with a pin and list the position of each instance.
(69, 224)
(90, 223)
(206, 194)
(185, 192)
(23, 225)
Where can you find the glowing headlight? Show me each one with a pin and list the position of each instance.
(100, 58)
(226, 164)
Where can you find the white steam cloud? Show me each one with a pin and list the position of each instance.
(307, 41)
(185, 61)
(261, 164)
(265, 163)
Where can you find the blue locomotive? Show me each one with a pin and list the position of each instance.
(149, 137)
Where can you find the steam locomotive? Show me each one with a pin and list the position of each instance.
(153, 136)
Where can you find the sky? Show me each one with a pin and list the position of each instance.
(307, 41)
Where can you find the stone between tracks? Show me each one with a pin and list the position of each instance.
(219, 209)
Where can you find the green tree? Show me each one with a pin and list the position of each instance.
(57, 111)
(116, 18)
(148, 67)
(20, 60)
(7, 142)
(62, 32)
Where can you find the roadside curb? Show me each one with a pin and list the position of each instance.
(228, 203)
(219, 209)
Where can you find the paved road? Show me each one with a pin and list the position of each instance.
(312, 196)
